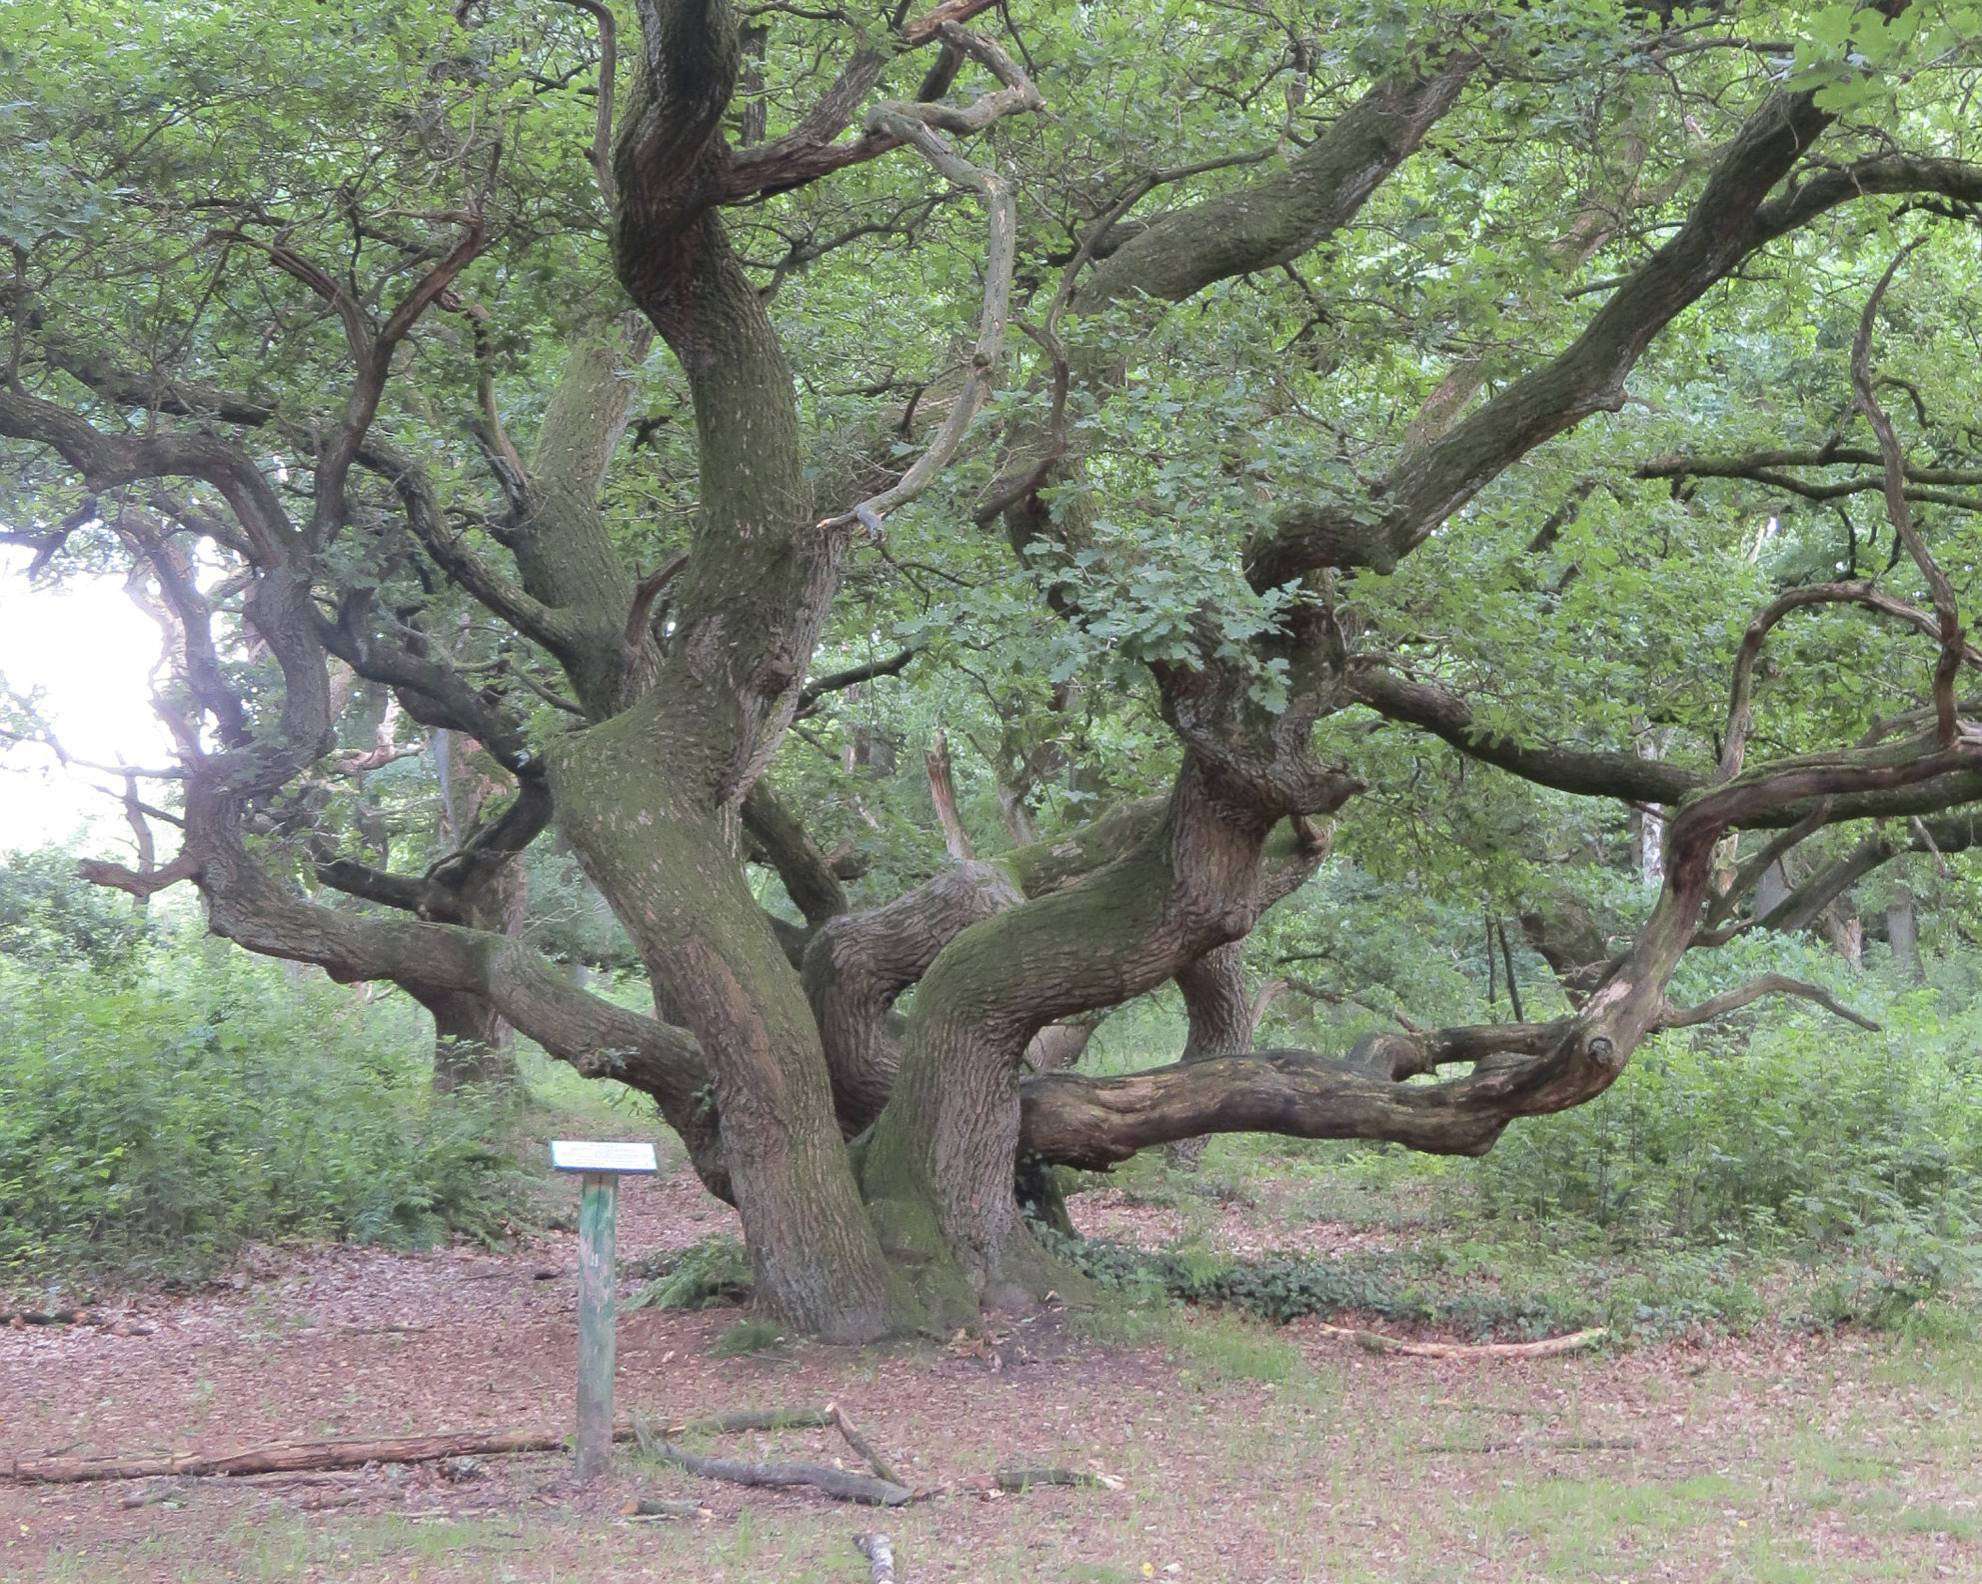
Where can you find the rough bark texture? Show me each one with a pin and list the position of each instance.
(939, 1168)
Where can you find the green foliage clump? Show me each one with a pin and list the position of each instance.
(1797, 1128)
(1861, 1151)
(48, 914)
(155, 1119)
(707, 1275)
(1386, 1286)
(750, 1336)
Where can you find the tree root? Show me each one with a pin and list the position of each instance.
(1551, 1347)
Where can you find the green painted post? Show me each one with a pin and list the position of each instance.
(596, 1344)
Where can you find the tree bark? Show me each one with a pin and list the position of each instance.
(675, 883)
(1220, 1013)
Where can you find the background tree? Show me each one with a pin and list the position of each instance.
(1307, 399)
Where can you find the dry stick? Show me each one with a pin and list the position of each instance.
(282, 1456)
(1016, 1481)
(753, 1419)
(654, 1507)
(1559, 1444)
(1507, 960)
(151, 1496)
(279, 1457)
(1376, 1342)
(863, 1446)
(880, 1551)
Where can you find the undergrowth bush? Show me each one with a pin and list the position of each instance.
(1780, 1134)
(155, 1118)
(705, 1275)
(1794, 1128)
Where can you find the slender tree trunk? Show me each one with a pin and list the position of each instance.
(1847, 933)
(1903, 933)
(1771, 890)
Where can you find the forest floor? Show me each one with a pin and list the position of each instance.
(1244, 1452)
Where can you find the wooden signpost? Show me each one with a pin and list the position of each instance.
(599, 1167)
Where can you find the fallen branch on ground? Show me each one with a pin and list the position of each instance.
(837, 1483)
(864, 1447)
(1555, 1444)
(283, 1457)
(1551, 1347)
(880, 1552)
(751, 1419)
(279, 1457)
(1016, 1481)
(1019, 1479)
(152, 1495)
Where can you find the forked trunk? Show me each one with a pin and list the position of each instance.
(939, 1168)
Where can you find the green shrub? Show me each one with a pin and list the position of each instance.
(48, 915)
(706, 1275)
(1800, 1130)
(1786, 1133)
(154, 1119)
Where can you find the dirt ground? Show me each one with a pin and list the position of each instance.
(1244, 1453)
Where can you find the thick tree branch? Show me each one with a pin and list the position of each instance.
(1585, 772)
(1279, 217)
(1730, 220)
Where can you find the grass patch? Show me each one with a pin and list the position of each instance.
(749, 1336)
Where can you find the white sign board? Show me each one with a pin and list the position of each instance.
(585, 1155)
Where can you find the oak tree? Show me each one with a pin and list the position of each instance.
(1222, 416)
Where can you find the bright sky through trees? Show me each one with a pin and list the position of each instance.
(89, 654)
